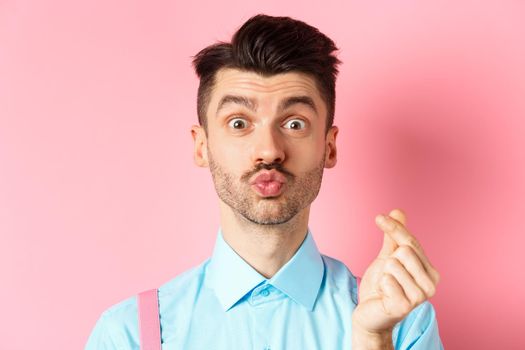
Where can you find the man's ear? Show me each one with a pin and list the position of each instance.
(200, 150)
(330, 156)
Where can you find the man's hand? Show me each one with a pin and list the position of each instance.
(398, 280)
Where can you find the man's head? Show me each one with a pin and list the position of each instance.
(266, 104)
(268, 46)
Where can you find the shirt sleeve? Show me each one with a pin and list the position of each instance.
(100, 337)
(419, 330)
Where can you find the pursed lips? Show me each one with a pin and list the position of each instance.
(268, 176)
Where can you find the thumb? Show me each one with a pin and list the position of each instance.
(389, 245)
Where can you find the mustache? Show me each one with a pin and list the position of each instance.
(277, 166)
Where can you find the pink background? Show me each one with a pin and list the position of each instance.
(99, 197)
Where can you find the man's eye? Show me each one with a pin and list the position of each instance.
(238, 123)
(295, 124)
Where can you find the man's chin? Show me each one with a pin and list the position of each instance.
(268, 221)
(271, 217)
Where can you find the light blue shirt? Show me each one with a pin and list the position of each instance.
(224, 303)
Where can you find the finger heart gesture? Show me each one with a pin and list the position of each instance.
(399, 279)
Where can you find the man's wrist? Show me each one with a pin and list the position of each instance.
(365, 340)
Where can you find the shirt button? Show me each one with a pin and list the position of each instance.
(265, 293)
(267, 347)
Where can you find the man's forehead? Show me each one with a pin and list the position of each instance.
(230, 80)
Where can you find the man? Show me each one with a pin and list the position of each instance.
(266, 105)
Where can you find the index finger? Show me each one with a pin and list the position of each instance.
(401, 236)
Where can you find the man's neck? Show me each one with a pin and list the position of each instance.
(265, 247)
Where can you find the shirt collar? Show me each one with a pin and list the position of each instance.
(300, 278)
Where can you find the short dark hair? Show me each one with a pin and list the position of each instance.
(270, 45)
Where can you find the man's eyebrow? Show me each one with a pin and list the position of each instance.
(304, 100)
(240, 100)
(252, 104)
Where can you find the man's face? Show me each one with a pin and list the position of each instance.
(266, 144)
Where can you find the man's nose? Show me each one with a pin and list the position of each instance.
(269, 146)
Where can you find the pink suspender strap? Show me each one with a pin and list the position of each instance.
(149, 322)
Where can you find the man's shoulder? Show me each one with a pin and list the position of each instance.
(183, 282)
(117, 325)
(336, 269)
(187, 280)
(338, 278)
